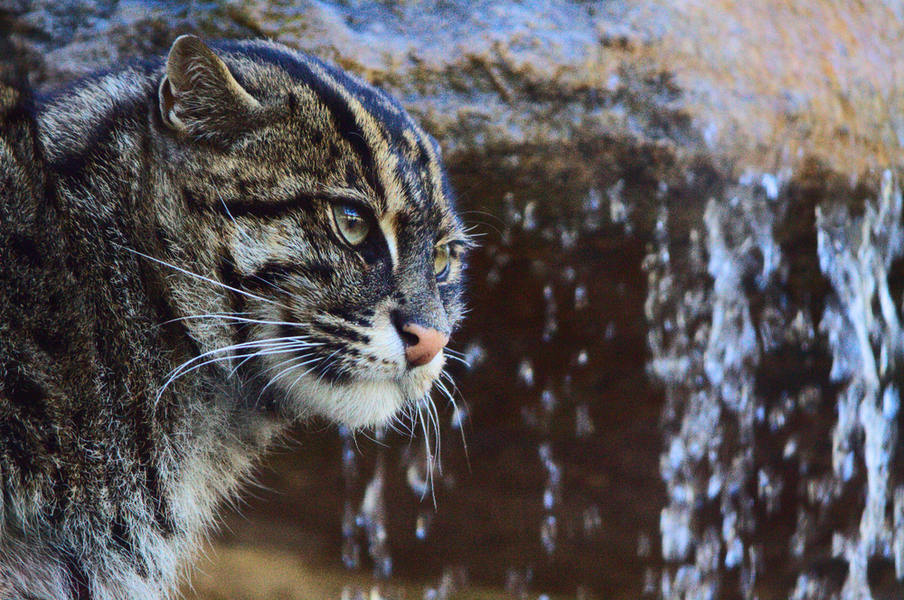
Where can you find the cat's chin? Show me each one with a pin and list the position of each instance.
(363, 402)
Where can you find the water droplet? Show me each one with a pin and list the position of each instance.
(351, 554)
(891, 402)
(649, 582)
(548, 400)
(552, 491)
(475, 355)
(545, 452)
(418, 474)
(734, 552)
(493, 277)
(549, 499)
(372, 517)
(530, 216)
(349, 457)
(769, 182)
(677, 538)
(526, 372)
(661, 190)
(422, 525)
(511, 216)
(770, 487)
(352, 593)
(452, 583)
(592, 521)
(790, 448)
(593, 201)
(618, 212)
(383, 566)
(714, 486)
(583, 422)
(548, 533)
(568, 238)
(517, 581)
(551, 326)
(460, 414)
(580, 297)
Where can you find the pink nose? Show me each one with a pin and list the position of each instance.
(422, 344)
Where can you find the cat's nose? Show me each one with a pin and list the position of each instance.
(422, 343)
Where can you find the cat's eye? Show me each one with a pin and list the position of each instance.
(442, 261)
(350, 222)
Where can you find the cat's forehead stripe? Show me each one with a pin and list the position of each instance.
(392, 155)
(389, 233)
(362, 130)
(397, 168)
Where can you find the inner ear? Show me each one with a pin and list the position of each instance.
(167, 103)
(200, 95)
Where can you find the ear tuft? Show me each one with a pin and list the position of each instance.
(199, 95)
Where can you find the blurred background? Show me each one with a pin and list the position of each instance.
(682, 363)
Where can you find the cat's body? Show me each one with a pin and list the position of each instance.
(190, 258)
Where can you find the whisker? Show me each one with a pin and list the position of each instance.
(306, 361)
(450, 395)
(230, 317)
(203, 278)
(427, 449)
(207, 316)
(434, 417)
(274, 346)
(460, 360)
(325, 364)
(276, 342)
(248, 237)
(290, 347)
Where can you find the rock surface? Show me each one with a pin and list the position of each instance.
(686, 328)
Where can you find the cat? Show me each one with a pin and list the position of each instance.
(196, 252)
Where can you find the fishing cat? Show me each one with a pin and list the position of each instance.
(194, 253)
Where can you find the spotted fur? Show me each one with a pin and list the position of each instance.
(174, 291)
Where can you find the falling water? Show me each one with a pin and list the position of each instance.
(720, 346)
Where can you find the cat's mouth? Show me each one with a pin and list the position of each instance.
(364, 400)
(356, 375)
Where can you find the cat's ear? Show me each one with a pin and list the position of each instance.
(199, 95)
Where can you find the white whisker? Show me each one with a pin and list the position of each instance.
(266, 347)
(429, 457)
(231, 317)
(250, 239)
(451, 396)
(203, 278)
(434, 417)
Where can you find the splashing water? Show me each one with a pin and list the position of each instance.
(715, 347)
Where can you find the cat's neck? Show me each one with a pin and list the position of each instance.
(96, 140)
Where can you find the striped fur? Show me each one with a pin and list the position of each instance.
(174, 291)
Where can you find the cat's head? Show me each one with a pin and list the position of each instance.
(323, 225)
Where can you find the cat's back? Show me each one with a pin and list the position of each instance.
(21, 178)
(30, 240)
(40, 303)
